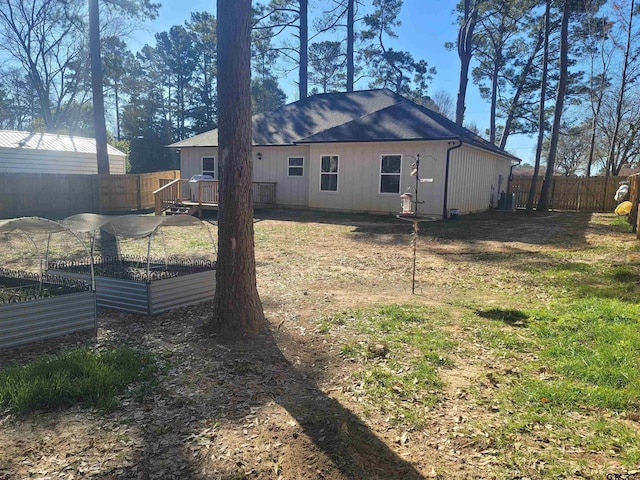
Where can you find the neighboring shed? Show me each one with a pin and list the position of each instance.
(356, 151)
(28, 152)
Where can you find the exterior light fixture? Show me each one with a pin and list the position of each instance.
(259, 156)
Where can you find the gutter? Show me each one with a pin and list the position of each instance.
(450, 148)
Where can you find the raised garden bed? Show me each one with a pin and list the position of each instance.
(35, 307)
(139, 285)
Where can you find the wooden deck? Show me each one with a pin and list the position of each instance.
(203, 195)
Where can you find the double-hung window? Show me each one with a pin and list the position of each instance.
(296, 167)
(329, 173)
(390, 173)
(209, 166)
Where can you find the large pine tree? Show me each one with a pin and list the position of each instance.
(99, 124)
(237, 308)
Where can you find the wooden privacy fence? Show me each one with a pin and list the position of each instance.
(582, 194)
(131, 192)
(53, 195)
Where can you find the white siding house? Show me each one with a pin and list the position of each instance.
(358, 151)
(26, 152)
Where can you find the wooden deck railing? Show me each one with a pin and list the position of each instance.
(263, 193)
(170, 192)
(205, 192)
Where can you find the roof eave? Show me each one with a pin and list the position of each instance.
(252, 145)
(439, 139)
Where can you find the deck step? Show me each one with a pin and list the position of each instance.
(177, 209)
(181, 209)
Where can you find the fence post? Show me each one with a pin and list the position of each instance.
(100, 203)
(139, 191)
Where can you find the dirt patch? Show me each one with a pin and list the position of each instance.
(278, 406)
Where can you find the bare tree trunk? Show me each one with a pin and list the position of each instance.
(350, 44)
(100, 126)
(545, 194)
(304, 48)
(594, 129)
(465, 52)
(611, 163)
(524, 74)
(541, 116)
(117, 97)
(494, 98)
(595, 109)
(237, 307)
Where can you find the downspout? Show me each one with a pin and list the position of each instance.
(510, 179)
(511, 173)
(450, 148)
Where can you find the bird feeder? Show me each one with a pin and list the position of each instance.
(407, 204)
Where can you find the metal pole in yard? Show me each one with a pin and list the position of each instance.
(414, 241)
(416, 212)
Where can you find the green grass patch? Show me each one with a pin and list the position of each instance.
(401, 380)
(623, 273)
(586, 371)
(620, 282)
(617, 437)
(200, 243)
(506, 343)
(621, 224)
(591, 349)
(353, 350)
(503, 329)
(91, 378)
(573, 279)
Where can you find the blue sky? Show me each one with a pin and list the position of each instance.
(426, 26)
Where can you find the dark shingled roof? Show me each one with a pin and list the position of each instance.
(365, 116)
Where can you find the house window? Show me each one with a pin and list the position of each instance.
(296, 167)
(390, 173)
(209, 166)
(329, 173)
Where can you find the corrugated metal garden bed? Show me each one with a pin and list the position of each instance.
(35, 307)
(136, 284)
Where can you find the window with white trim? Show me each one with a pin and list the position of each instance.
(296, 167)
(390, 166)
(329, 173)
(209, 166)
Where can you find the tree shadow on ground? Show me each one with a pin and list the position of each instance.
(554, 228)
(215, 387)
(327, 217)
(496, 226)
(510, 316)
